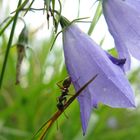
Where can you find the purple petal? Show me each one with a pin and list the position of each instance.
(84, 59)
(123, 19)
(85, 107)
(119, 62)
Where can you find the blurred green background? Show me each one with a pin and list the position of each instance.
(25, 107)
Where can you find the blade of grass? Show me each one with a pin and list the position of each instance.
(9, 44)
(7, 24)
(13, 17)
(95, 18)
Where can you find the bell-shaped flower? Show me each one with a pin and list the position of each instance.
(85, 59)
(123, 20)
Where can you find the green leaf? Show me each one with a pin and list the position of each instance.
(95, 18)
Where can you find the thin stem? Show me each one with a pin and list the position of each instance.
(1, 24)
(59, 14)
(20, 7)
(96, 17)
(29, 7)
(7, 24)
(12, 18)
(40, 134)
(9, 43)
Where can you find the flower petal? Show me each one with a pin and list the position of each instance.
(123, 19)
(119, 62)
(84, 59)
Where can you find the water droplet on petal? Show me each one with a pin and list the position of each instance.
(104, 89)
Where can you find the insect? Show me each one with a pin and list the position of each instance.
(40, 134)
(64, 92)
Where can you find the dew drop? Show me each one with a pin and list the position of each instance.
(104, 89)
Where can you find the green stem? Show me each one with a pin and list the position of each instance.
(7, 24)
(12, 18)
(29, 7)
(96, 17)
(40, 134)
(9, 43)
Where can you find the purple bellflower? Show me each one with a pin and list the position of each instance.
(123, 19)
(84, 59)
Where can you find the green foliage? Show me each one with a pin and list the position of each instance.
(96, 17)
